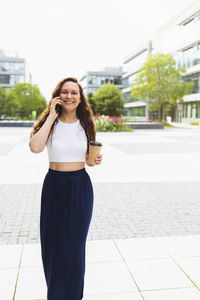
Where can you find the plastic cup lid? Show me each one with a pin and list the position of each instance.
(95, 143)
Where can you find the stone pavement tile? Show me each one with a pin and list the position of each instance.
(10, 256)
(118, 296)
(159, 273)
(140, 248)
(8, 279)
(31, 284)
(101, 251)
(181, 246)
(108, 277)
(191, 266)
(173, 294)
(31, 256)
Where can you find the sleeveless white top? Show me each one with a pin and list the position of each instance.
(67, 143)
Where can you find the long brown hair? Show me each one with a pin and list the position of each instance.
(84, 113)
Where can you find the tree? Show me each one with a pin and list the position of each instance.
(28, 97)
(2, 100)
(109, 100)
(92, 102)
(159, 82)
(8, 105)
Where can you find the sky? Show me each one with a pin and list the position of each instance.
(61, 38)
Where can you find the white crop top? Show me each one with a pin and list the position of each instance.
(67, 143)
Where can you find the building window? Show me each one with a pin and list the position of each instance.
(194, 108)
(117, 81)
(190, 57)
(196, 79)
(12, 67)
(189, 110)
(4, 79)
(137, 111)
(198, 109)
(185, 110)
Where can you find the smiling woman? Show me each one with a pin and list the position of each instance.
(67, 192)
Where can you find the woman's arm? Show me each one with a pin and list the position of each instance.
(38, 141)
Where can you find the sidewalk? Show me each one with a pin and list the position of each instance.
(120, 269)
(152, 163)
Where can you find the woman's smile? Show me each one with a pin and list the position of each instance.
(68, 102)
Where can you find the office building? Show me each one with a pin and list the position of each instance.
(93, 80)
(180, 37)
(13, 69)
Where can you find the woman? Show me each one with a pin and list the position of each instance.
(67, 191)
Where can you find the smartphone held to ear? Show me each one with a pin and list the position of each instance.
(58, 108)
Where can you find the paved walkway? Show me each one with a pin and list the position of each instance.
(144, 239)
(159, 268)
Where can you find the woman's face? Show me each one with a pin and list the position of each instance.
(70, 96)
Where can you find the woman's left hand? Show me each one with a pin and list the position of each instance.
(98, 159)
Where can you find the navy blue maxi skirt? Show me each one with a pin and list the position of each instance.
(65, 215)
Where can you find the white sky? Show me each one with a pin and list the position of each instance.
(61, 38)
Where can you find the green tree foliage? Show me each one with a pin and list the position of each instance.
(2, 100)
(20, 100)
(92, 102)
(28, 98)
(159, 82)
(8, 105)
(109, 100)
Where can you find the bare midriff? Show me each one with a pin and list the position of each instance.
(66, 166)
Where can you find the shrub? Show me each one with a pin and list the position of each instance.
(194, 123)
(164, 122)
(107, 123)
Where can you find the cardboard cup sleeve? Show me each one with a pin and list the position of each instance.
(94, 150)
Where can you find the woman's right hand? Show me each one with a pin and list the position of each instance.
(53, 112)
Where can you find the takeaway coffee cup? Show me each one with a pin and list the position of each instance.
(94, 150)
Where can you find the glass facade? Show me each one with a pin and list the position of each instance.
(4, 79)
(127, 97)
(98, 80)
(93, 81)
(191, 110)
(135, 111)
(196, 79)
(189, 57)
(132, 66)
(11, 79)
(128, 81)
(12, 71)
(11, 67)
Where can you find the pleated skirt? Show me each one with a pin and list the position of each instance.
(65, 215)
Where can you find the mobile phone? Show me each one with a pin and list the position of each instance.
(58, 108)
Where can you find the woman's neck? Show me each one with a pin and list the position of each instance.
(68, 118)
